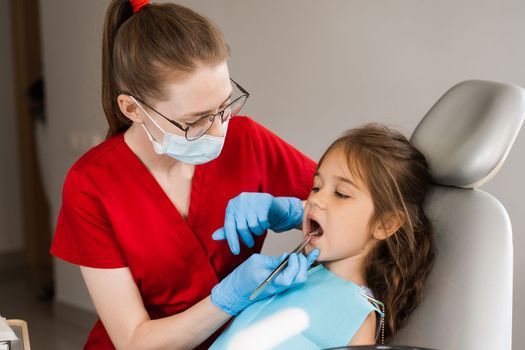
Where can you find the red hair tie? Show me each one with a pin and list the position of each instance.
(138, 4)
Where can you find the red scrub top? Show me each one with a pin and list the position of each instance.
(114, 214)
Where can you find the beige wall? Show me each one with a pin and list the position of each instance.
(11, 238)
(314, 68)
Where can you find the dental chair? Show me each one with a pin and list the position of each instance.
(466, 137)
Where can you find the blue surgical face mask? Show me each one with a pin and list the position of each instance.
(199, 151)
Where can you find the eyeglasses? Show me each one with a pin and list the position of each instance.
(196, 129)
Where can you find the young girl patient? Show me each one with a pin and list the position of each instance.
(376, 244)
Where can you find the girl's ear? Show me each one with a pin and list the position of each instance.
(130, 109)
(389, 225)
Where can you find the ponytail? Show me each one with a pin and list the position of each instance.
(119, 11)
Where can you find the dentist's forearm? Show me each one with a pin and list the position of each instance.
(185, 330)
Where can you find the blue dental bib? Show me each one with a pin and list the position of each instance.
(335, 307)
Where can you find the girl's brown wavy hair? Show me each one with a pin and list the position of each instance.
(141, 52)
(398, 179)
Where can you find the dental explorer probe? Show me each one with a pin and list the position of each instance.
(282, 265)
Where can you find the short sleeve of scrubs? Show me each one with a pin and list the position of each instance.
(94, 243)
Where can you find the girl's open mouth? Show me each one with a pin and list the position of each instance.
(314, 229)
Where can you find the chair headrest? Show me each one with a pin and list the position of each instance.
(469, 131)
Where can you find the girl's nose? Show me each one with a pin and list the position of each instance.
(316, 200)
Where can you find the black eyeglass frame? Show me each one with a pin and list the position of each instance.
(245, 94)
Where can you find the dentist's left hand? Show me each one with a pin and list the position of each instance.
(251, 214)
(233, 292)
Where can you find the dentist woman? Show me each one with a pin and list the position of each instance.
(139, 210)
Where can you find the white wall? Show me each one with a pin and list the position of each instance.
(11, 235)
(71, 40)
(314, 68)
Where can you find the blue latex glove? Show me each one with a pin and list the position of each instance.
(251, 214)
(233, 292)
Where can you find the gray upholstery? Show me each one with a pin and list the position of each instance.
(465, 137)
(469, 131)
(468, 300)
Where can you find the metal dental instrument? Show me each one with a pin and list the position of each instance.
(282, 265)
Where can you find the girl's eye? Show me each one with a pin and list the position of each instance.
(340, 195)
(315, 189)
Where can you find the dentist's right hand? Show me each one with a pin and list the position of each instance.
(233, 292)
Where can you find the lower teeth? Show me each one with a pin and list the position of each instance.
(315, 233)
